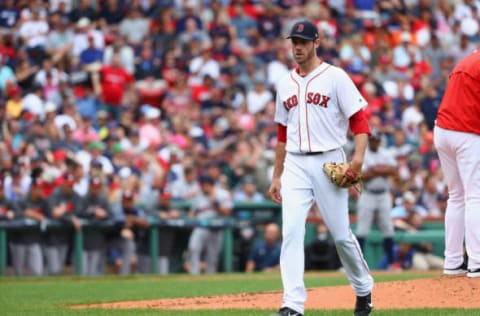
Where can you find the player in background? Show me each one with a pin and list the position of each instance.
(379, 166)
(316, 103)
(457, 139)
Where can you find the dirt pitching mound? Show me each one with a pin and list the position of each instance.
(442, 292)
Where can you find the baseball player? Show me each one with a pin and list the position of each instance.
(29, 251)
(379, 166)
(315, 105)
(96, 209)
(212, 201)
(63, 205)
(457, 139)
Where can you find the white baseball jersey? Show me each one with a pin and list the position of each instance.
(381, 157)
(316, 108)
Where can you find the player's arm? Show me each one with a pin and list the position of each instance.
(360, 129)
(280, 153)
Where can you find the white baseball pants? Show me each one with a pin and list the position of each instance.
(459, 155)
(303, 183)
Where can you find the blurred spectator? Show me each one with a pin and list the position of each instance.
(259, 96)
(14, 106)
(265, 255)
(114, 84)
(59, 39)
(16, 184)
(7, 77)
(190, 12)
(321, 253)
(408, 216)
(247, 191)
(355, 55)
(112, 13)
(9, 16)
(134, 26)
(33, 33)
(212, 201)
(203, 66)
(94, 153)
(83, 10)
(91, 56)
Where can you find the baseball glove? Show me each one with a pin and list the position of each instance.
(342, 175)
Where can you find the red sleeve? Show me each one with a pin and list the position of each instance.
(282, 133)
(359, 123)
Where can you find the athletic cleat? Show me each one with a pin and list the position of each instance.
(363, 306)
(460, 270)
(286, 311)
(473, 273)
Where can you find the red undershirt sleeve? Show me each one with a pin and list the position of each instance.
(281, 133)
(359, 124)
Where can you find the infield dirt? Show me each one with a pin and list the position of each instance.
(440, 292)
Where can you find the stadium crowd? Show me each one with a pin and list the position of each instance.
(112, 108)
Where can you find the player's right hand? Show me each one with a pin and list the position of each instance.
(274, 191)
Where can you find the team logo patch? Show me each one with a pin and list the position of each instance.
(300, 28)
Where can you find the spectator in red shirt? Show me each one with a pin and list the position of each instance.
(115, 80)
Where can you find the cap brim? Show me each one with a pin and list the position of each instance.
(302, 37)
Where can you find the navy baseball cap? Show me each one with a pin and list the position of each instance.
(304, 29)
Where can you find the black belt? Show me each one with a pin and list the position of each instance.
(308, 153)
(379, 191)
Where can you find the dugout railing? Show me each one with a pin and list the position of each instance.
(244, 214)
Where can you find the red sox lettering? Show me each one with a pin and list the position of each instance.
(314, 98)
(317, 99)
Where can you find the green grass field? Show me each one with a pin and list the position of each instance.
(53, 295)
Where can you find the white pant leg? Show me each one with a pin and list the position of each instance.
(297, 199)
(214, 247)
(455, 212)
(385, 222)
(163, 265)
(365, 211)
(333, 205)
(196, 244)
(469, 159)
(128, 253)
(19, 254)
(35, 259)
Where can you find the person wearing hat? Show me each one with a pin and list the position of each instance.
(16, 183)
(96, 210)
(211, 202)
(64, 204)
(456, 137)
(133, 233)
(409, 216)
(9, 210)
(95, 152)
(163, 210)
(317, 104)
(28, 250)
(376, 200)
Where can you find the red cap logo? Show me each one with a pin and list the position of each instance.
(300, 28)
